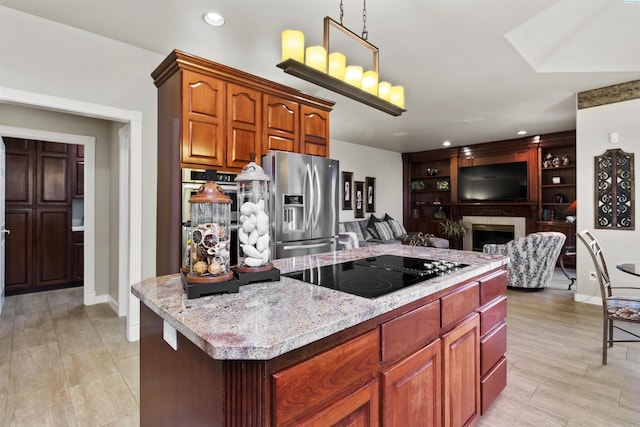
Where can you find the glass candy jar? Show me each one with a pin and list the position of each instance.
(254, 219)
(209, 252)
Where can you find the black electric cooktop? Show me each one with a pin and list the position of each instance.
(376, 276)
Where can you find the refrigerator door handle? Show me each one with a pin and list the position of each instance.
(315, 245)
(311, 203)
(318, 203)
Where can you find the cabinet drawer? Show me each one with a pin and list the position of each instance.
(492, 348)
(493, 286)
(492, 314)
(315, 382)
(493, 383)
(408, 332)
(459, 304)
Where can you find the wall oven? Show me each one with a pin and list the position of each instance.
(192, 179)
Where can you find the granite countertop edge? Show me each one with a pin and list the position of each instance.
(266, 320)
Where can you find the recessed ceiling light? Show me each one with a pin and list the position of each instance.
(214, 19)
(522, 132)
(446, 143)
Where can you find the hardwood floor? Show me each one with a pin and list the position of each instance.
(555, 376)
(64, 364)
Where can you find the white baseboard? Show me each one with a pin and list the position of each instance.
(589, 299)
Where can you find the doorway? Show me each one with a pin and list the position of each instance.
(131, 139)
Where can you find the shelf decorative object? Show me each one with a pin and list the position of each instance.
(614, 184)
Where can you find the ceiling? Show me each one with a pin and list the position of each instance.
(473, 70)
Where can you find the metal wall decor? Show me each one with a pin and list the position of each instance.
(614, 190)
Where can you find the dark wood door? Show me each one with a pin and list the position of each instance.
(52, 246)
(20, 159)
(52, 174)
(19, 252)
(244, 123)
(412, 392)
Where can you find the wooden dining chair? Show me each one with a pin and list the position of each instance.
(615, 307)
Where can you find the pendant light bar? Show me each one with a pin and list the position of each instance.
(362, 88)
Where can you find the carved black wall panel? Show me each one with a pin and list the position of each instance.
(614, 190)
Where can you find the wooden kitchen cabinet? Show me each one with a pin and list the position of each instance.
(202, 120)
(77, 274)
(281, 124)
(323, 379)
(244, 121)
(314, 131)
(52, 246)
(412, 389)
(461, 373)
(19, 249)
(412, 368)
(77, 171)
(211, 116)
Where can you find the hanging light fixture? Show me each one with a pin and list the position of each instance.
(328, 69)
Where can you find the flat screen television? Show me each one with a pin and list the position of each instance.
(499, 182)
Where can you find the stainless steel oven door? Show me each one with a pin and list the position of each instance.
(231, 190)
(188, 190)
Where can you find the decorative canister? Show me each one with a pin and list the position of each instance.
(254, 219)
(209, 252)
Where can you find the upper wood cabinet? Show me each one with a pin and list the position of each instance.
(77, 171)
(281, 124)
(211, 116)
(202, 120)
(315, 131)
(220, 114)
(244, 121)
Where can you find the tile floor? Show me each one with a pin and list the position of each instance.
(66, 364)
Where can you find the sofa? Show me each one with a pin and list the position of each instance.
(386, 230)
(533, 258)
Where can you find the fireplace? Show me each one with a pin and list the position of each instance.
(494, 227)
(490, 233)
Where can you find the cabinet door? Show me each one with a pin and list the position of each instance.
(52, 246)
(281, 124)
(52, 174)
(314, 131)
(202, 120)
(77, 274)
(20, 164)
(412, 389)
(461, 373)
(77, 171)
(19, 252)
(359, 409)
(244, 120)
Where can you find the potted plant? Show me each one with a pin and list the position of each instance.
(453, 229)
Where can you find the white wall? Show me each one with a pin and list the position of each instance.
(385, 166)
(45, 57)
(593, 126)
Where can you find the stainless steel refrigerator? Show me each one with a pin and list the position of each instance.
(305, 203)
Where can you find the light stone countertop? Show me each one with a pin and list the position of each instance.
(265, 320)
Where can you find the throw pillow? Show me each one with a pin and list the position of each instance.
(371, 226)
(383, 230)
(397, 228)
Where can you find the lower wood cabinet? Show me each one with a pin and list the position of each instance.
(411, 389)
(77, 272)
(461, 373)
(439, 362)
(360, 408)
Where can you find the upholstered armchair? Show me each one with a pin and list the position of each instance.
(533, 258)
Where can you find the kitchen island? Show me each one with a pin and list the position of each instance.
(292, 353)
